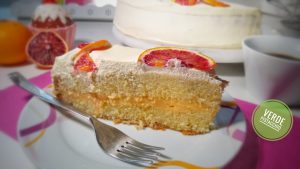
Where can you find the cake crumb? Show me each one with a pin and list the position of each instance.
(141, 125)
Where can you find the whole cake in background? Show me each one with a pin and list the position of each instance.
(161, 88)
(187, 23)
(54, 33)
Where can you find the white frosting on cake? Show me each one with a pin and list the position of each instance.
(200, 25)
(52, 11)
(117, 53)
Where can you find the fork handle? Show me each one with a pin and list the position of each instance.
(22, 82)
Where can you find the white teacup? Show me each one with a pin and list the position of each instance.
(269, 76)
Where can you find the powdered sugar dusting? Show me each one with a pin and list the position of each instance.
(64, 66)
(174, 63)
(123, 69)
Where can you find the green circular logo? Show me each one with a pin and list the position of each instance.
(272, 120)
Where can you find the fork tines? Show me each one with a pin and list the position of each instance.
(139, 154)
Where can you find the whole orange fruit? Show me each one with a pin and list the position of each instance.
(13, 38)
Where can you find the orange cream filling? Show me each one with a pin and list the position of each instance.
(168, 105)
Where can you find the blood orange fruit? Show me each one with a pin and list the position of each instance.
(82, 60)
(168, 56)
(216, 3)
(87, 48)
(187, 2)
(44, 47)
(85, 64)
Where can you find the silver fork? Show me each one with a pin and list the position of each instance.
(113, 141)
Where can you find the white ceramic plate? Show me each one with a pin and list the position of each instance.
(52, 140)
(219, 55)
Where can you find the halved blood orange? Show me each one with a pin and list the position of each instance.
(44, 47)
(162, 56)
(83, 61)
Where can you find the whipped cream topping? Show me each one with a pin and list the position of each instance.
(52, 11)
(117, 53)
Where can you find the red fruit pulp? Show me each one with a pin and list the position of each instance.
(44, 47)
(187, 2)
(159, 58)
(85, 64)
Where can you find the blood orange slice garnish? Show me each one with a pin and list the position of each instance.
(44, 47)
(81, 45)
(98, 45)
(187, 2)
(215, 3)
(85, 64)
(168, 56)
(87, 48)
(83, 61)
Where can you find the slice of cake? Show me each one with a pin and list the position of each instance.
(185, 23)
(163, 90)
